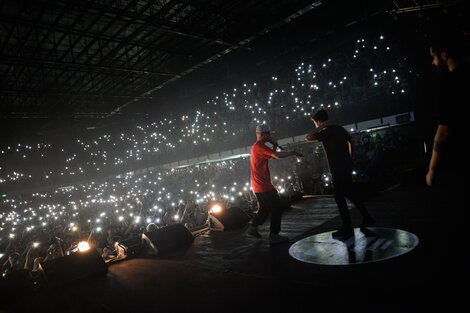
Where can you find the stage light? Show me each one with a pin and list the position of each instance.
(216, 208)
(35, 244)
(83, 246)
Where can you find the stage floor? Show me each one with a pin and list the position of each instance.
(232, 272)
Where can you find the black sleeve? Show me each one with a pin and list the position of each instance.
(322, 134)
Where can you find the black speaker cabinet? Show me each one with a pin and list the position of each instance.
(168, 238)
(73, 267)
(19, 280)
(231, 218)
(130, 247)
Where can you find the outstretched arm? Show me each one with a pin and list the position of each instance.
(311, 136)
(440, 139)
(285, 154)
(26, 262)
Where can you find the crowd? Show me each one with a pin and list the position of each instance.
(368, 76)
(95, 196)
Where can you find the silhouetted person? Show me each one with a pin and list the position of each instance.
(337, 143)
(448, 162)
(266, 193)
(448, 172)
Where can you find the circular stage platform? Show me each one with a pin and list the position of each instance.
(367, 245)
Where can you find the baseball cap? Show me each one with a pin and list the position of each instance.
(263, 128)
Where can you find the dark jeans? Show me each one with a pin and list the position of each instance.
(269, 202)
(446, 238)
(342, 189)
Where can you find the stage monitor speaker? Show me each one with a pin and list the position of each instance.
(231, 218)
(168, 238)
(73, 267)
(17, 281)
(130, 247)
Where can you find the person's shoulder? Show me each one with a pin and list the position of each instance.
(338, 129)
(255, 147)
(333, 127)
(259, 145)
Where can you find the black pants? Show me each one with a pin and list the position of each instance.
(449, 208)
(269, 202)
(342, 189)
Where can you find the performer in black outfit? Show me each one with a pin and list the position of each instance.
(448, 170)
(338, 148)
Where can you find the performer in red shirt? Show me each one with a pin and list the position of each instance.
(266, 193)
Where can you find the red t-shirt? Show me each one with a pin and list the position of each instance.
(260, 176)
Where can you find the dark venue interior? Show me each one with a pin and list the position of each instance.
(126, 128)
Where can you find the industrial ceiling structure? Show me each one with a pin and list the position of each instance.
(97, 58)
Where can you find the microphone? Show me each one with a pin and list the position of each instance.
(275, 146)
